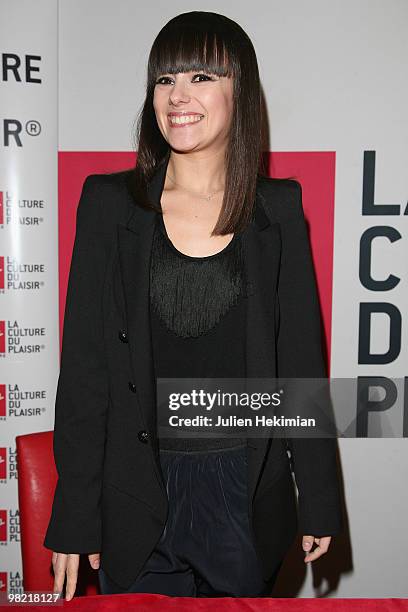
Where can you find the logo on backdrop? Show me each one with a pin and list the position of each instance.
(3, 463)
(2, 338)
(370, 280)
(15, 131)
(3, 581)
(16, 275)
(17, 68)
(3, 526)
(11, 582)
(23, 211)
(2, 400)
(24, 69)
(8, 466)
(18, 340)
(16, 402)
(9, 526)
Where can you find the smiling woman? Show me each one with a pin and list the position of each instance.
(199, 102)
(204, 64)
(192, 265)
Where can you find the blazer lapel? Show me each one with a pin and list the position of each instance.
(262, 255)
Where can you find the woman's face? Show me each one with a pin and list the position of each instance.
(194, 110)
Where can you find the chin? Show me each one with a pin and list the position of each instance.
(183, 149)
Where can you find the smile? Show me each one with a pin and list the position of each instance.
(183, 120)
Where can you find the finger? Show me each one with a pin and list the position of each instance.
(312, 556)
(317, 552)
(307, 542)
(59, 567)
(94, 560)
(325, 541)
(72, 576)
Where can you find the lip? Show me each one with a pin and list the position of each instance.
(181, 114)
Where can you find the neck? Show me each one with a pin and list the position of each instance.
(201, 174)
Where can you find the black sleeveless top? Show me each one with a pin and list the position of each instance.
(197, 319)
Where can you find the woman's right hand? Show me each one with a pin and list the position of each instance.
(67, 564)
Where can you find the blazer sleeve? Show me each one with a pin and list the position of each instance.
(300, 355)
(82, 390)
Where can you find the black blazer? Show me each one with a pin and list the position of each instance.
(110, 495)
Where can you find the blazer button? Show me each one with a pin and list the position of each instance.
(123, 336)
(143, 436)
(132, 387)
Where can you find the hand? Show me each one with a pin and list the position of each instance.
(323, 544)
(68, 564)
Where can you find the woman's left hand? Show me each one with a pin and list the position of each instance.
(323, 544)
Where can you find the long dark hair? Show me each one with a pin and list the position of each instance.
(214, 43)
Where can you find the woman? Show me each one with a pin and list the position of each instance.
(193, 264)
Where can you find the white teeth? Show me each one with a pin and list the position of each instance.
(185, 118)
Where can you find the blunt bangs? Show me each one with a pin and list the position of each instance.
(186, 47)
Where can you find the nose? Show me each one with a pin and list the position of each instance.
(179, 92)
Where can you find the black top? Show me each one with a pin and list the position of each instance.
(197, 319)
